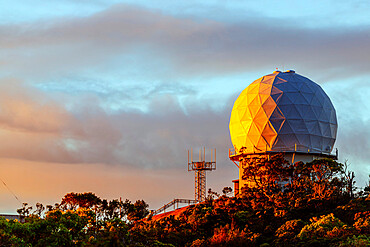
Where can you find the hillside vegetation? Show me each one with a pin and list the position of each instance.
(312, 204)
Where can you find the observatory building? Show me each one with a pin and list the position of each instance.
(282, 112)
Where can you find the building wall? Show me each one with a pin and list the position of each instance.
(10, 216)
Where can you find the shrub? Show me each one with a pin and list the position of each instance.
(327, 226)
(289, 229)
(359, 241)
(362, 222)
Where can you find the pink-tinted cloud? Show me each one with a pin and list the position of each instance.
(23, 108)
(187, 46)
(35, 127)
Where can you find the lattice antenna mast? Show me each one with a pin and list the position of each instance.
(200, 167)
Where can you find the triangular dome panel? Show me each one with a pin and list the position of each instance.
(269, 106)
(254, 134)
(279, 80)
(262, 145)
(286, 128)
(304, 88)
(285, 100)
(296, 98)
(268, 80)
(307, 112)
(265, 89)
(275, 90)
(254, 88)
(253, 99)
(292, 112)
(303, 140)
(269, 134)
(298, 125)
(263, 98)
(260, 120)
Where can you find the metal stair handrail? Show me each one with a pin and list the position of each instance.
(174, 202)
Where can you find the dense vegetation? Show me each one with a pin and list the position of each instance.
(312, 204)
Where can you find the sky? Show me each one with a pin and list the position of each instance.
(108, 96)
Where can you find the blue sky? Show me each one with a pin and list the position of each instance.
(311, 13)
(126, 87)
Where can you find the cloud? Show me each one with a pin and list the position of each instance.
(350, 100)
(178, 46)
(23, 108)
(155, 139)
(34, 126)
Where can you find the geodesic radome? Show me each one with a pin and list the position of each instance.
(283, 111)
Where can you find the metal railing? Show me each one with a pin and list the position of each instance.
(295, 148)
(175, 204)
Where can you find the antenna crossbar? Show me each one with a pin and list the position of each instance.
(200, 167)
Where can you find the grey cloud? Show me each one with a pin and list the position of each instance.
(354, 140)
(350, 101)
(354, 145)
(187, 46)
(157, 139)
(162, 140)
(351, 105)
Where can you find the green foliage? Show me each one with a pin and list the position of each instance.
(137, 211)
(300, 205)
(322, 227)
(72, 201)
(289, 229)
(9, 229)
(356, 241)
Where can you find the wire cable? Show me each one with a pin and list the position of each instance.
(15, 196)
